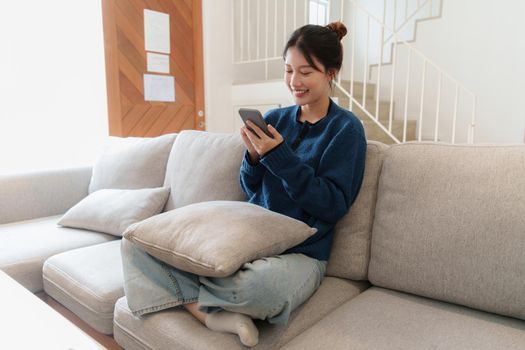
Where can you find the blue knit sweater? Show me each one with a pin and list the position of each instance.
(313, 176)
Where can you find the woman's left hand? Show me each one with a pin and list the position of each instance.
(264, 143)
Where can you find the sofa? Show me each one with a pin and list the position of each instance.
(430, 256)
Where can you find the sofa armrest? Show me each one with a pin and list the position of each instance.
(33, 195)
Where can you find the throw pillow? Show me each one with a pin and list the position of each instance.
(135, 162)
(216, 238)
(112, 211)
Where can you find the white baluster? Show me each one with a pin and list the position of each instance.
(294, 14)
(266, 61)
(365, 78)
(395, 16)
(258, 29)
(341, 20)
(405, 117)
(242, 30)
(275, 28)
(249, 31)
(473, 120)
(284, 25)
(436, 126)
(352, 64)
(378, 85)
(392, 83)
(455, 114)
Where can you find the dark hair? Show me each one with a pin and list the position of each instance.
(322, 42)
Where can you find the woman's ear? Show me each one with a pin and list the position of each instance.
(332, 74)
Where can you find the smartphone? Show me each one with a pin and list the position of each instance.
(255, 117)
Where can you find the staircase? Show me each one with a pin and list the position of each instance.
(402, 17)
(372, 130)
(402, 97)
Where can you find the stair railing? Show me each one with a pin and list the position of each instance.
(254, 14)
(400, 86)
(408, 17)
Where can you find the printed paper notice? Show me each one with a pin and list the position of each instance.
(158, 63)
(156, 31)
(159, 88)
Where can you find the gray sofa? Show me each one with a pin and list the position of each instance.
(431, 255)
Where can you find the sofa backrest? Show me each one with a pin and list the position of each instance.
(450, 225)
(204, 166)
(351, 246)
(37, 194)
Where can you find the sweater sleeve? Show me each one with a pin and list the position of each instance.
(327, 193)
(251, 176)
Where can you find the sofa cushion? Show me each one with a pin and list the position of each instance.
(88, 281)
(384, 319)
(112, 211)
(450, 223)
(216, 238)
(176, 328)
(25, 245)
(204, 167)
(135, 162)
(351, 247)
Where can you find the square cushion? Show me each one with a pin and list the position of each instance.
(112, 211)
(133, 163)
(204, 166)
(351, 247)
(383, 319)
(177, 329)
(450, 225)
(25, 245)
(216, 238)
(88, 281)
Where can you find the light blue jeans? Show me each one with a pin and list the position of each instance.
(266, 289)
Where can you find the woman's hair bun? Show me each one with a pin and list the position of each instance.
(339, 28)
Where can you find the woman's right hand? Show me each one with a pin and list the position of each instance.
(252, 153)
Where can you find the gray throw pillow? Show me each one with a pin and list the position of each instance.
(135, 162)
(216, 238)
(112, 211)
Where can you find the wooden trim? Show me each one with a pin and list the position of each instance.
(198, 65)
(112, 68)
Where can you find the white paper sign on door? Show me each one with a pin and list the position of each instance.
(156, 31)
(159, 88)
(157, 62)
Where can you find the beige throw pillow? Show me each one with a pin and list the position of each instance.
(112, 211)
(216, 238)
(133, 163)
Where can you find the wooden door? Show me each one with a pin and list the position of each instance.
(128, 113)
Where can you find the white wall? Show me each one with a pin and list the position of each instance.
(482, 44)
(53, 109)
(218, 70)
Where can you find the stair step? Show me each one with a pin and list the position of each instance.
(374, 132)
(358, 90)
(384, 108)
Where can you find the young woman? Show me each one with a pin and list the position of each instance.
(311, 170)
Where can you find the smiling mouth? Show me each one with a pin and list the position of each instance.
(299, 92)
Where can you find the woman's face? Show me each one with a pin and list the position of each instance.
(307, 84)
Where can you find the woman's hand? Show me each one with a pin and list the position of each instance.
(263, 143)
(252, 153)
